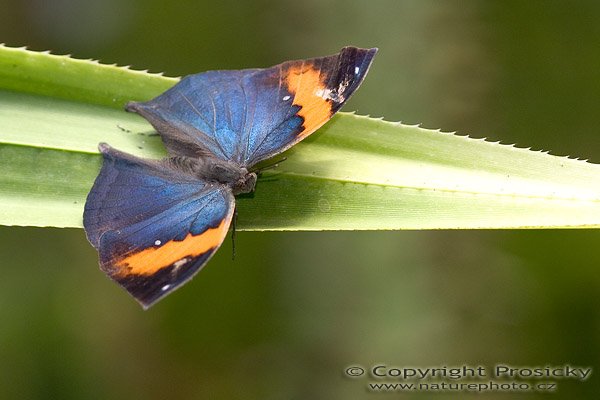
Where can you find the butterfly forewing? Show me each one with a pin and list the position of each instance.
(250, 115)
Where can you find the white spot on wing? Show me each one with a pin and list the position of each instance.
(356, 70)
(286, 98)
(166, 287)
(157, 242)
(180, 263)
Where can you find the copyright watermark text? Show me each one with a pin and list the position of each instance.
(479, 378)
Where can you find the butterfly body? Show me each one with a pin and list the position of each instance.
(156, 223)
(212, 169)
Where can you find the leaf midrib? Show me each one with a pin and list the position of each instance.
(441, 190)
(362, 182)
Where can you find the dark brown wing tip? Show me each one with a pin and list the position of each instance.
(359, 51)
(146, 305)
(359, 57)
(349, 68)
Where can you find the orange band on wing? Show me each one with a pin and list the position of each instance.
(151, 260)
(306, 84)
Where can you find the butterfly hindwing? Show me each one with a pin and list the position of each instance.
(246, 116)
(154, 224)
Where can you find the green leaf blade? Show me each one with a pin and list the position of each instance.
(356, 173)
(86, 81)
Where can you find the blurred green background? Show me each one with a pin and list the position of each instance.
(293, 310)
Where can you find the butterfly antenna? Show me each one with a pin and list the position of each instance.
(233, 225)
(270, 166)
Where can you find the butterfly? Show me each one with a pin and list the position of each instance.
(156, 223)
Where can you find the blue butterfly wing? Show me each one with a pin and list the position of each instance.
(247, 116)
(154, 225)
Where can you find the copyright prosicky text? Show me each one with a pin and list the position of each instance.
(465, 371)
(500, 377)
